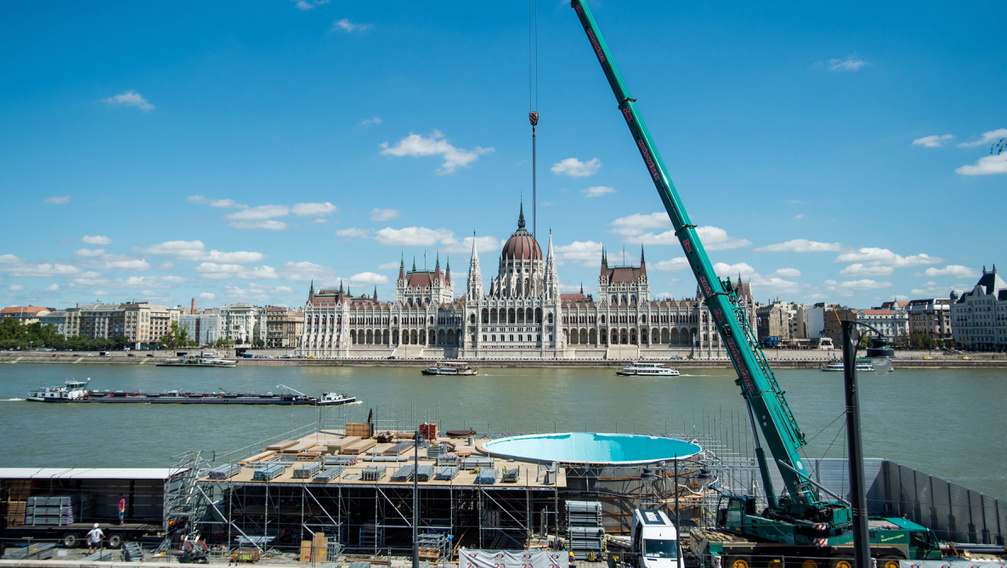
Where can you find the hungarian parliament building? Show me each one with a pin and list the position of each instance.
(522, 316)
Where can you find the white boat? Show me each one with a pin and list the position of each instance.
(450, 369)
(837, 366)
(70, 392)
(205, 359)
(640, 369)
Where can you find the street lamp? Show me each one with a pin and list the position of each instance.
(880, 351)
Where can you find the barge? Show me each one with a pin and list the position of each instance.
(77, 391)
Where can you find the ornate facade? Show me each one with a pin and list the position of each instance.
(523, 315)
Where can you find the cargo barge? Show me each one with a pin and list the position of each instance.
(77, 392)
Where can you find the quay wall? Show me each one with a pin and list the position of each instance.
(778, 359)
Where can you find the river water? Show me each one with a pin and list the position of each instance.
(945, 422)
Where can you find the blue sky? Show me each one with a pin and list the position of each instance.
(237, 151)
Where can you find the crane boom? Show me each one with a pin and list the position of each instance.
(755, 377)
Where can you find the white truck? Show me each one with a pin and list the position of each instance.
(654, 541)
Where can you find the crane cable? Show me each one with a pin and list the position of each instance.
(533, 103)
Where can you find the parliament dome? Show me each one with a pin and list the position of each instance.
(521, 245)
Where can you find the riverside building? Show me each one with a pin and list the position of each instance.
(522, 316)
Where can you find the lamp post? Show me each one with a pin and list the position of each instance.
(858, 492)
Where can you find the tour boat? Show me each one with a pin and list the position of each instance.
(640, 369)
(450, 369)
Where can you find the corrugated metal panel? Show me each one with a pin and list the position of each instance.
(158, 473)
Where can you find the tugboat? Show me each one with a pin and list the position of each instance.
(72, 391)
(450, 369)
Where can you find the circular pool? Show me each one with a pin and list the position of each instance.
(591, 448)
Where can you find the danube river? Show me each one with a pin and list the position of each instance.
(945, 422)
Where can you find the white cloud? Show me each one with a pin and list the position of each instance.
(88, 253)
(412, 236)
(801, 245)
(259, 213)
(587, 253)
(384, 214)
(416, 145)
(313, 209)
(96, 240)
(850, 63)
(725, 270)
(130, 98)
(954, 270)
(388, 266)
(575, 168)
(874, 256)
(934, 141)
(987, 138)
(637, 223)
(996, 164)
(271, 225)
(860, 269)
(58, 200)
(309, 4)
(370, 121)
(787, 273)
(347, 26)
(207, 296)
(597, 191)
(195, 251)
(223, 203)
(353, 233)
(368, 278)
(306, 271)
(15, 266)
(464, 246)
(219, 271)
(851, 287)
(52, 288)
(152, 281)
(677, 263)
(15, 288)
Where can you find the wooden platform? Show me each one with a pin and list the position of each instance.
(315, 447)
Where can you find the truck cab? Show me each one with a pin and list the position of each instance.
(655, 540)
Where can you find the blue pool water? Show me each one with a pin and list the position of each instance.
(591, 448)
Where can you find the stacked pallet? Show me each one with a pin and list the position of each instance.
(359, 447)
(486, 476)
(225, 471)
(329, 473)
(337, 446)
(373, 473)
(269, 471)
(17, 501)
(307, 471)
(57, 510)
(585, 533)
(339, 460)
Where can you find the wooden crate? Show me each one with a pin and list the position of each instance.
(429, 554)
(361, 430)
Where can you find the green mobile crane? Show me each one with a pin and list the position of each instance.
(802, 518)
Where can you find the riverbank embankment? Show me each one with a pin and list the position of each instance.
(778, 358)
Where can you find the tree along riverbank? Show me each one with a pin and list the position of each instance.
(778, 358)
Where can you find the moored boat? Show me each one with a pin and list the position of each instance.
(450, 369)
(641, 369)
(204, 359)
(836, 366)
